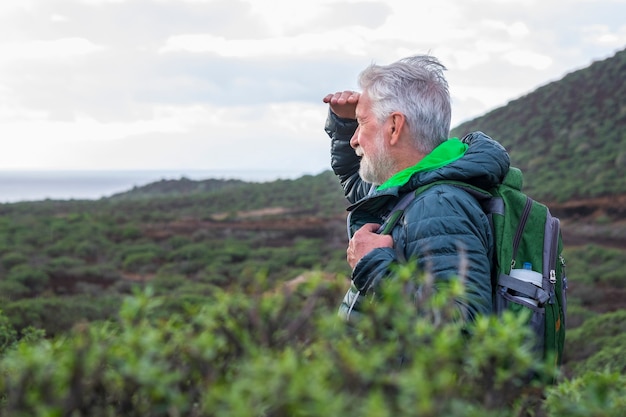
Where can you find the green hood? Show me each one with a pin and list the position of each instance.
(449, 151)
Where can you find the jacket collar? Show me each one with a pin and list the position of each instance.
(444, 154)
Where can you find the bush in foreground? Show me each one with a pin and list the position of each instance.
(280, 353)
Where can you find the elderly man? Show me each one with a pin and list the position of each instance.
(391, 139)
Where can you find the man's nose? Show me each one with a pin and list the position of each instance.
(354, 140)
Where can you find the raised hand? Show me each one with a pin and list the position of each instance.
(343, 103)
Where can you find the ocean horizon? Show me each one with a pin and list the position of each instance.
(19, 186)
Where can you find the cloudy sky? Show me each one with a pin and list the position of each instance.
(237, 84)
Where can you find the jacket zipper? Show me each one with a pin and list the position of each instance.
(553, 233)
(563, 289)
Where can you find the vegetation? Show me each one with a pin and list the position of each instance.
(263, 353)
(78, 258)
(568, 136)
(208, 298)
(111, 308)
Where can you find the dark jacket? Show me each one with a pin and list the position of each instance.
(441, 225)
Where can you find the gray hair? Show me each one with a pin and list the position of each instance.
(416, 87)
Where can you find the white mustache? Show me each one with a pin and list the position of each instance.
(358, 151)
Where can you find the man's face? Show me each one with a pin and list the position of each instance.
(368, 142)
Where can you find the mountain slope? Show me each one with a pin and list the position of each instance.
(569, 136)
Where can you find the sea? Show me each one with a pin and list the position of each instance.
(19, 186)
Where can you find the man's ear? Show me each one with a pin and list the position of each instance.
(397, 125)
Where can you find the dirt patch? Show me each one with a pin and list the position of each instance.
(137, 277)
(269, 211)
(610, 208)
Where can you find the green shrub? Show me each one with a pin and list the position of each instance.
(131, 232)
(178, 241)
(8, 335)
(577, 315)
(593, 264)
(165, 283)
(58, 315)
(61, 247)
(600, 327)
(33, 278)
(12, 259)
(192, 251)
(277, 354)
(598, 394)
(87, 250)
(64, 263)
(598, 343)
(141, 262)
(13, 290)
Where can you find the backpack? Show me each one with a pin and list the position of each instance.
(528, 266)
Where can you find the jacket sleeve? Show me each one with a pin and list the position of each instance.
(343, 160)
(446, 232)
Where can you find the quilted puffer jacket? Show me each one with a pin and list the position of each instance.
(439, 227)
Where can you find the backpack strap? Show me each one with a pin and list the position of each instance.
(395, 214)
(489, 203)
(486, 200)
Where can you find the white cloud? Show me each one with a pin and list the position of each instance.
(216, 83)
(47, 49)
(199, 137)
(517, 3)
(526, 58)
(514, 30)
(462, 59)
(353, 41)
(8, 6)
(603, 35)
(36, 130)
(282, 15)
(59, 18)
(100, 2)
(518, 30)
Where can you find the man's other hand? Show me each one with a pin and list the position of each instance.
(364, 241)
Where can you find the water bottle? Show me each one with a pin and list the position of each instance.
(528, 275)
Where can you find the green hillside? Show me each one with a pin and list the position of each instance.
(569, 137)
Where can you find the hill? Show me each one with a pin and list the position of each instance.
(569, 136)
(177, 187)
(569, 139)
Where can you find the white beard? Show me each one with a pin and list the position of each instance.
(377, 168)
